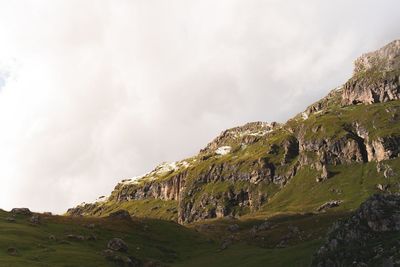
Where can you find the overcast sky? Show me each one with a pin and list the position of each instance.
(92, 92)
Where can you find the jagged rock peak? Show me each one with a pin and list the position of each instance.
(386, 58)
(376, 77)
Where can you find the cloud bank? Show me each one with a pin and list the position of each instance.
(92, 92)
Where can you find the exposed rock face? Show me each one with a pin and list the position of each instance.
(216, 205)
(381, 148)
(385, 59)
(165, 190)
(374, 89)
(376, 77)
(355, 241)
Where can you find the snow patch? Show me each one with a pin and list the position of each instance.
(161, 169)
(101, 199)
(223, 150)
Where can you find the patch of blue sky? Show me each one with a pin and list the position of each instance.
(3, 79)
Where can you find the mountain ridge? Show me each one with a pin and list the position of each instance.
(244, 167)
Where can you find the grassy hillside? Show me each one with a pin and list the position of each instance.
(148, 240)
(351, 184)
(161, 243)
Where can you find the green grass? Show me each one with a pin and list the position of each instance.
(350, 183)
(244, 255)
(380, 120)
(146, 208)
(157, 240)
(165, 242)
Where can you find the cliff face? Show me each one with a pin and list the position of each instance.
(376, 77)
(240, 170)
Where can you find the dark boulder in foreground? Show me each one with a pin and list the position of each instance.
(120, 214)
(368, 238)
(117, 244)
(12, 251)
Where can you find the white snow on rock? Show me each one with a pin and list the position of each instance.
(223, 150)
(304, 115)
(161, 169)
(101, 199)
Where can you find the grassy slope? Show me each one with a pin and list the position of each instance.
(147, 239)
(352, 184)
(244, 255)
(162, 241)
(148, 208)
(174, 245)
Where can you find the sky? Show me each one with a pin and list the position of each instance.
(92, 92)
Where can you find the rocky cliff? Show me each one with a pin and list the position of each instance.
(244, 167)
(368, 238)
(376, 77)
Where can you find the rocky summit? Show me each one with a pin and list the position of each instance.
(376, 77)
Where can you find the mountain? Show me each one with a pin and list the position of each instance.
(322, 189)
(344, 147)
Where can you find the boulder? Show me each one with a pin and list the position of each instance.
(34, 219)
(329, 205)
(21, 211)
(12, 251)
(117, 244)
(120, 214)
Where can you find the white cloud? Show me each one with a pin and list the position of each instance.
(99, 91)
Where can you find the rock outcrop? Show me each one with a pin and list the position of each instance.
(376, 77)
(22, 211)
(386, 58)
(364, 238)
